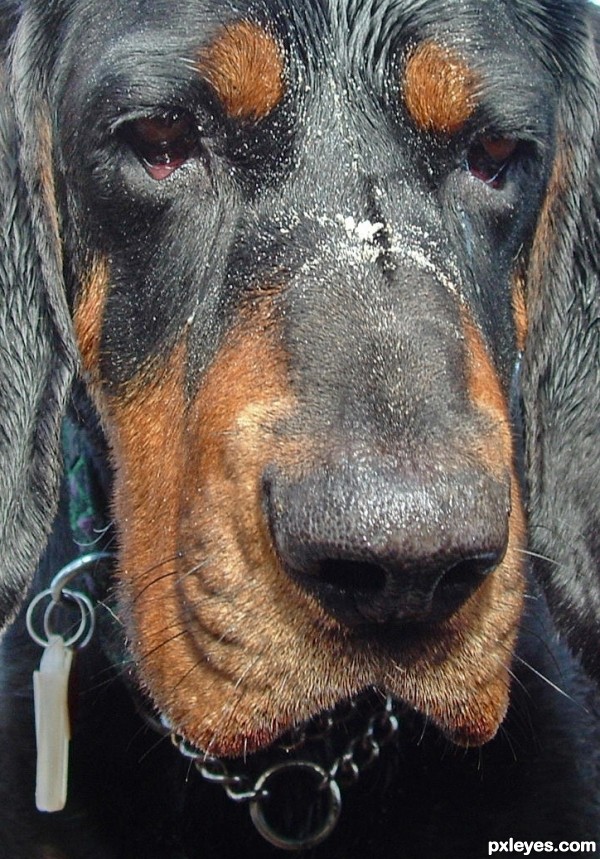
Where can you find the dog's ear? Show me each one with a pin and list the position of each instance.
(37, 356)
(561, 367)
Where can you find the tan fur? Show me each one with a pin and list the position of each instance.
(520, 314)
(231, 650)
(244, 64)
(551, 214)
(486, 394)
(439, 89)
(89, 316)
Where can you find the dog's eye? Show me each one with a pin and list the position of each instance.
(162, 143)
(489, 157)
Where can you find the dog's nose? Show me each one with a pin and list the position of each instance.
(377, 548)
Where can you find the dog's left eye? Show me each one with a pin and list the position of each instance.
(489, 157)
(162, 143)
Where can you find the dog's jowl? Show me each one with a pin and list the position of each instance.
(299, 397)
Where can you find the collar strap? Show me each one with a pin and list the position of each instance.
(85, 517)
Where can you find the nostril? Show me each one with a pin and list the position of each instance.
(356, 576)
(361, 591)
(462, 579)
(345, 588)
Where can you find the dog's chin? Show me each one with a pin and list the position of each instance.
(228, 713)
(346, 719)
(470, 723)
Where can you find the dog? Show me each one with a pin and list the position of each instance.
(299, 427)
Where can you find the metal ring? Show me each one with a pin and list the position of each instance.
(81, 637)
(186, 749)
(69, 571)
(322, 829)
(57, 593)
(87, 622)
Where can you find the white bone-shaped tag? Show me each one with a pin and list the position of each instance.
(52, 728)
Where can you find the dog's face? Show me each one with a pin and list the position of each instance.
(296, 238)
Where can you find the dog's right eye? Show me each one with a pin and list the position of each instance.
(489, 158)
(162, 143)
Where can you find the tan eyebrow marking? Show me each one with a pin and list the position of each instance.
(439, 89)
(245, 66)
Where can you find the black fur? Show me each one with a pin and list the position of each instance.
(375, 357)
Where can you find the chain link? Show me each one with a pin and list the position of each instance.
(360, 753)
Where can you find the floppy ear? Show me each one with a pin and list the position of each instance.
(37, 356)
(561, 369)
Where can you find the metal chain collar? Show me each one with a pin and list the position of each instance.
(323, 782)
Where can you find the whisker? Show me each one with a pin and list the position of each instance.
(158, 742)
(161, 578)
(195, 569)
(540, 557)
(100, 532)
(199, 662)
(107, 608)
(247, 670)
(545, 679)
(157, 647)
(240, 697)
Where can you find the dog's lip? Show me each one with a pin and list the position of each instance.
(341, 718)
(469, 719)
(466, 724)
(288, 665)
